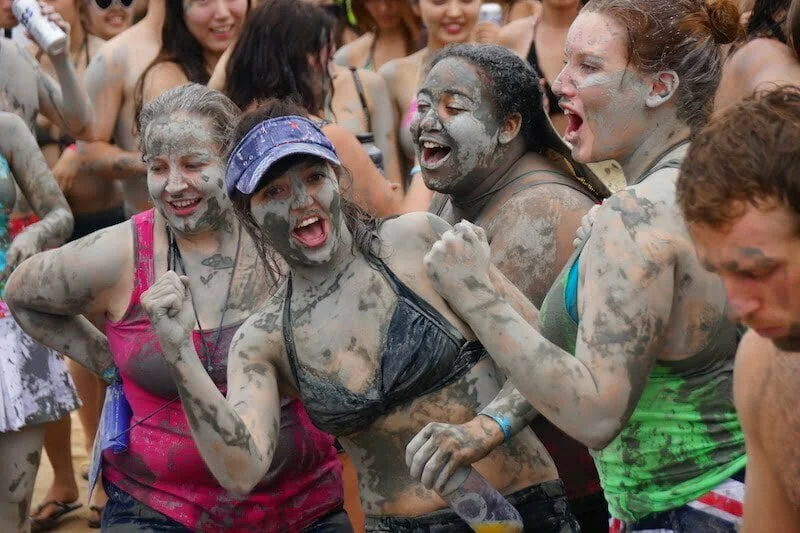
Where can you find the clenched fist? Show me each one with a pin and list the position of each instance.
(168, 303)
(458, 265)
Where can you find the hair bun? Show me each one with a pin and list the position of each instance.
(723, 20)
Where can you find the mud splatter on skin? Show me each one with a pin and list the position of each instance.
(183, 163)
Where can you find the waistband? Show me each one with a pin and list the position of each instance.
(547, 490)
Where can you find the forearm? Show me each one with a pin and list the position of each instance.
(53, 229)
(224, 440)
(104, 160)
(73, 336)
(557, 384)
(512, 408)
(75, 106)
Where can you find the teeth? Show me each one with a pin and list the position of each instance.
(183, 203)
(308, 222)
(429, 144)
(221, 30)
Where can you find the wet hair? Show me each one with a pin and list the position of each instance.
(271, 57)
(362, 226)
(410, 34)
(513, 84)
(192, 99)
(746, 156)
(767, 19)
(178, 46)
(679, 35)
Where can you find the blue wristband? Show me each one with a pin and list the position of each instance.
(504, 423)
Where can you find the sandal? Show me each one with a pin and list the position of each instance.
(95, 524)
(50, 522)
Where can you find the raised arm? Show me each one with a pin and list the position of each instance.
(48, 293)
(66, 105)
(625, 303)
(29, 167)
(237, 437)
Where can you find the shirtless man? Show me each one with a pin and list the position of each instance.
(744, 226)
(111, 83)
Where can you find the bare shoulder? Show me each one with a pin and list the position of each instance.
(162, 77)
(754, 360)
(400, 69)
(354, 54)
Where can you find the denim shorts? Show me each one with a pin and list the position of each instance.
(543, 508)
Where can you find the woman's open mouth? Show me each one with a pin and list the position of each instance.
(184, 208)
(433, 155)
(311, 231)
(574, 125)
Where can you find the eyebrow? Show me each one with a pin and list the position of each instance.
(456, 92)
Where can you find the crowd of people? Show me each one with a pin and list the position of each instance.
(297, 264)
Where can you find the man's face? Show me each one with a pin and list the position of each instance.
(758, 258)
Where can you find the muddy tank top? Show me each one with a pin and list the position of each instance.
(163, 468)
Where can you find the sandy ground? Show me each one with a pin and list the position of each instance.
(77, 521)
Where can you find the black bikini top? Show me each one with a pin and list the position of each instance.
(423, 353)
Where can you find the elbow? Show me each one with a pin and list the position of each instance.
(600, 432)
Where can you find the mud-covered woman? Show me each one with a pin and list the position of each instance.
(633, 353)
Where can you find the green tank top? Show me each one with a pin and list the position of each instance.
(682, 439)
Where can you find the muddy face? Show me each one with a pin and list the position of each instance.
(300, 213)
(603, 97)
(455, 129)
(185, 174)
(756, 258)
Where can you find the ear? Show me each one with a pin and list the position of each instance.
(510, 128)
(663, 87)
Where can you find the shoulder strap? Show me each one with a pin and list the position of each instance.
(144, 270)
(361, 96)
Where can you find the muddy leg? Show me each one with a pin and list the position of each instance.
(20, 452)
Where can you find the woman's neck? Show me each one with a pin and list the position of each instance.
(558, 17)
(470, 205)
(653, 147)
(212, 58)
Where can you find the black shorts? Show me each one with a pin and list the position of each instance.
(89, 223)
(543, 508)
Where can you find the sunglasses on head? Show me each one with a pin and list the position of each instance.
(105, 4)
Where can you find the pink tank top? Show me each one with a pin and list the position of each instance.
(163, 468)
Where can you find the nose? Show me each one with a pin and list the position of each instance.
(176, 184)
(221, 9)
(454, 9)
(741, 300)
(429, 121)
(563, 86)
(301, 198)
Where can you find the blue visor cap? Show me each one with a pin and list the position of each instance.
(268, 143)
